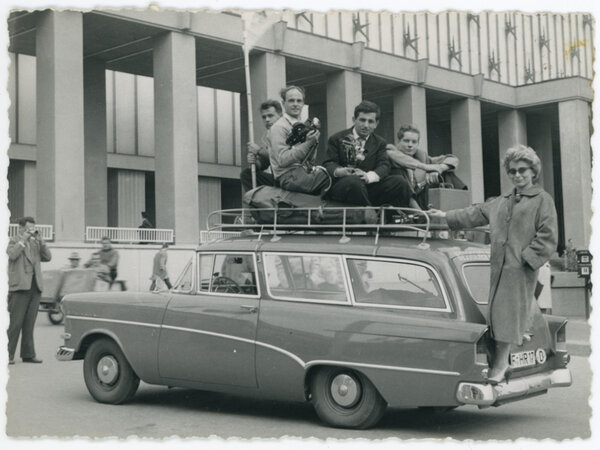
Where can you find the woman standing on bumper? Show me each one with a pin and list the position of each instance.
(523, 230)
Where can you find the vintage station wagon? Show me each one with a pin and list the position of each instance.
(351, 324)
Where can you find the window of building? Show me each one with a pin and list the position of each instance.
(310, 277)
(395, 283)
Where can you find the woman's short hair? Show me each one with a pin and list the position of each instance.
(283, 92)
(526, 154)
(407, 129)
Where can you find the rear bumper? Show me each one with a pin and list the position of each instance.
(515, 389)
(65, 353)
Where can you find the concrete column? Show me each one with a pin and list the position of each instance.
(410, 108)
(465, 125)
(267, 78)
(576, 162)
(344, 92)
(176, 151)
(512, 130)
(96, 200)
(60, 122)
(539, 137)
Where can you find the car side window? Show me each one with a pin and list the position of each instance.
(305, 276)
(395, 283)
(233, 274)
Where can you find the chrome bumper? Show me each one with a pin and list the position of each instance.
(488, 395)
(65, 353)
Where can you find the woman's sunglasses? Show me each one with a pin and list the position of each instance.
(521, 170)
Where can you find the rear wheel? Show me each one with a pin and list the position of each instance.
(345, 398)
(107, 374)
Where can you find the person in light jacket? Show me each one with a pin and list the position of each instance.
(159, 268)
(524, 233)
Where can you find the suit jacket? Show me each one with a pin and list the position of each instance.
(25, 262)
(376, 158)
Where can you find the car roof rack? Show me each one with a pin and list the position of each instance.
(347, 220)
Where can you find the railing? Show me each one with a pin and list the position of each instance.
(207, 236)
(46, 231)
(129, 235)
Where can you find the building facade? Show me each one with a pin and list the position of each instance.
(116, 112)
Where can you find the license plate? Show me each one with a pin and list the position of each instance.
(522, 359)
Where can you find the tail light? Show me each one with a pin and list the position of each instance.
(482, 349)
(560, 337)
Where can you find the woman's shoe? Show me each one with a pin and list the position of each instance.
(496, 376)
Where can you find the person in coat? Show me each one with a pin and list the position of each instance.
(159, 268)
(25, 251)
(523, 228)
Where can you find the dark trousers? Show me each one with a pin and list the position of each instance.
(392, 190)
(165, 280)
(23, 309)
(262, 178)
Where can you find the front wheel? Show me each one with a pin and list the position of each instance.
(346, 399)
(107, 374)
(57, 316)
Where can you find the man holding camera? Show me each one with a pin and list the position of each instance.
(25, 251)
(293, 164)
(359, 165)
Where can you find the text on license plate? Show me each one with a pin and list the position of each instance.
(522, 359)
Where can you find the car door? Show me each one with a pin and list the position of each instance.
(208, 332)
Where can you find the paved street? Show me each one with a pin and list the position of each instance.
(51, 399)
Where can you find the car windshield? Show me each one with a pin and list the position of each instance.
(477, 276)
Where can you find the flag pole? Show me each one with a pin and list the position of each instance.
(249, 96)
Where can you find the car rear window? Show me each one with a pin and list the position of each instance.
(477, 277)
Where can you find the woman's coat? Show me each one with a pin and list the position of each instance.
(523, 237)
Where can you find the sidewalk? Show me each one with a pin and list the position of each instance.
(578, 337)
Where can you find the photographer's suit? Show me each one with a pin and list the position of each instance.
(24, 290)
(387, 189)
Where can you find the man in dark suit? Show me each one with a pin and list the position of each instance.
(25, 251)
(359, 166)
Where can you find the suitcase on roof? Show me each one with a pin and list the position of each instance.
(293, 208)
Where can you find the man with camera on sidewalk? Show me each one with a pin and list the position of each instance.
(25, 251)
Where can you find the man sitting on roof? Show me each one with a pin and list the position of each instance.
(270, 112)
(293, 165)
(358, 163)
(421, 170)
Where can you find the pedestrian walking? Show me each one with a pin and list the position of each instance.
(524, 235)
(159, 268)
(25, 251)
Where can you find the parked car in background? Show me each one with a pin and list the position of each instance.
(351, 325)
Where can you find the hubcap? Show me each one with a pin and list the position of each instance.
(108, 369)
(345, 391)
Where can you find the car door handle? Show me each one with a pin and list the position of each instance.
(249, 308)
